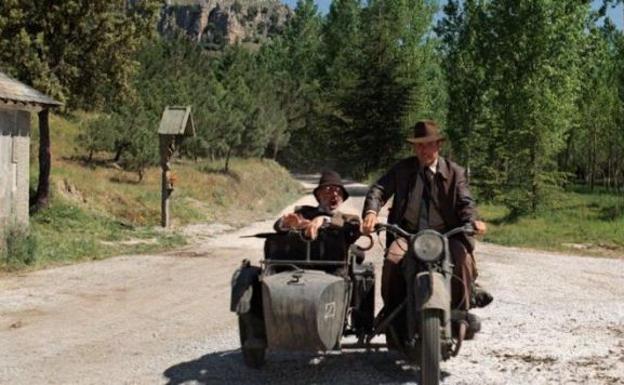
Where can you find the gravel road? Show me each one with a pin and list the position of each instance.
(164, 319)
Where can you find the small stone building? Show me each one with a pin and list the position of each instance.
(17, 102)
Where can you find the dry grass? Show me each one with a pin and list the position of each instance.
(253, 188)
(97, 207)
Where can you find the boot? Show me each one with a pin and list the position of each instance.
(474, 325)
(473, 321)
(480, 297)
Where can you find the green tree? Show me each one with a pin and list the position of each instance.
(79, 51)
(391, 89)
(297, 60)
(342, 44)
(594, 146)
(535, 85)
(513, 92)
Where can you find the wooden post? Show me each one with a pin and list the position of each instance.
(164, 205)
(166, 153)
(175, 124)
(40, 200)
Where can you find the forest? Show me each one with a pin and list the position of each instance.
(529, 93)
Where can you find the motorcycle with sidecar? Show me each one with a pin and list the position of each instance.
(308, 294)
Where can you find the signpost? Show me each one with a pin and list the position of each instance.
(176, 124)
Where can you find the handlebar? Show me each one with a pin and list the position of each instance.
(467, 229)
(395, 229)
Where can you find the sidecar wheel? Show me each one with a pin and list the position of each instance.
(430, 348)
(253, 357)
(252, 346)
(363, 318)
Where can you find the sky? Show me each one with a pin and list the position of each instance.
(616, 14)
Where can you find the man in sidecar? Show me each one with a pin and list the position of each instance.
(308, 270)
(429, 192)
(330, 194)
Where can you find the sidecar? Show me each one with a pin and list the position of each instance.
(305, 296)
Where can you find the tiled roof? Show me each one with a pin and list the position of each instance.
(15, 91)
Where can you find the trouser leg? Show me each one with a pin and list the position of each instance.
(393, 292)
(392, 281)
(392, 285)
(464, 273)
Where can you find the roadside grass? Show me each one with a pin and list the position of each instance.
(66, 232)
(578, 221)
(98, 210)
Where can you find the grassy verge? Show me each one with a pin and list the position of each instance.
(98, 210)
(580, 222)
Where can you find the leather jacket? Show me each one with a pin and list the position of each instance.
(452, 197)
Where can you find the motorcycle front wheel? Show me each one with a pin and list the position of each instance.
(430, 347)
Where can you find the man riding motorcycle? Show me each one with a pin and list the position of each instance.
(429, 192)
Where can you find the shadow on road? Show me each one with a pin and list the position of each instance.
(227, 367)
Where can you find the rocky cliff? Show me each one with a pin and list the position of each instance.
(215, 23)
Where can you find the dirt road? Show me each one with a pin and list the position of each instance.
(164, 319)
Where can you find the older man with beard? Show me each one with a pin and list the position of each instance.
(330, 194)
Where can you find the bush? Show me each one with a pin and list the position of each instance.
(252, 12)
(17, 246)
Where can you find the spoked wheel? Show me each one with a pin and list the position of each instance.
(253, 345)
(430, 348)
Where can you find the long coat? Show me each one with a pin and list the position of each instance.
(452, 195)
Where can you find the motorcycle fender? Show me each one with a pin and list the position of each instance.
(432, 297)
(243, 282)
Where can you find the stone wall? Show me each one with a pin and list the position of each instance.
(14, 165)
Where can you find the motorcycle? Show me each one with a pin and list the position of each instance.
(308, 294)
(434, 332)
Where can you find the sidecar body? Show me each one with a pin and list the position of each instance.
(306, 296)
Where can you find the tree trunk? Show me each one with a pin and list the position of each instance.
(45, 163)
(227, 161)
(592, 174)
(534, 184)
(275, 149)
(119, 152)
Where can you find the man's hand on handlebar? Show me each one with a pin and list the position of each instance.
(311, 230)
(294, 221)
(480, 227)
(368, 225)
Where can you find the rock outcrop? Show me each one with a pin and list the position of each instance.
(216, 23)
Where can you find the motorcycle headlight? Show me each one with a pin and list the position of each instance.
(428, 247)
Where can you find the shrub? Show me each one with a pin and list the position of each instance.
(17, 246)
(252, 12)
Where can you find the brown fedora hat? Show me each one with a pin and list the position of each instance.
(425, 131)
(331, 178)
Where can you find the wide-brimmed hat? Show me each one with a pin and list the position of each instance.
(425, 131)
(331, 178)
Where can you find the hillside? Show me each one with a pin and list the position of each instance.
(97, 209)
